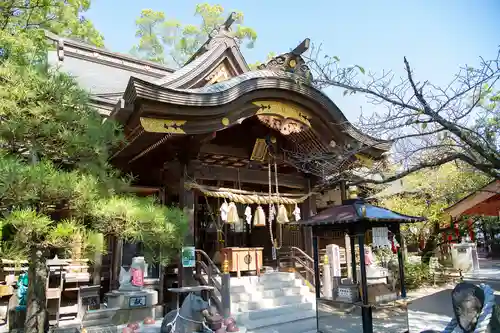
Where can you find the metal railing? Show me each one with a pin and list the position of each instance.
(207, 273)
(301, 263)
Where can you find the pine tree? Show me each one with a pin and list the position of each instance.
(57, 190)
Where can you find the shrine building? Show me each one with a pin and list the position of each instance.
(215, 138)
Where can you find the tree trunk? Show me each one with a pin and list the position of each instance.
(37, 316)
(430, 244)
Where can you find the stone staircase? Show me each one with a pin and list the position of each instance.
(276, 302)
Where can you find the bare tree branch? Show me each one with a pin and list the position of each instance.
(429, 125)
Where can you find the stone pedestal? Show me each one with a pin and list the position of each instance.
(133, 306)
(464, 257)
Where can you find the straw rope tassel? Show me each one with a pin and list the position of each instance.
(270, 216)
(278, 225)
(484, 317)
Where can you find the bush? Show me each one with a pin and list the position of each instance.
(417, 275)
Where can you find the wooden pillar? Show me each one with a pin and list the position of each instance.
(308, 210)
(401, 260)
(366, 312)
(353, 267)
(161, 271)
(349, 240)
(187, 203)
(317, 279)
(343, 190)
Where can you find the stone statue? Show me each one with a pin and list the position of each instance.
(393, 277)
(190, 317)
(125, 280)
(195, 315)
(132, 279)
(22, 290)
(474, 309)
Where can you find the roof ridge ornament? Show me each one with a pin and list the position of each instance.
(291, 62)
(221, 33)
(223, 30)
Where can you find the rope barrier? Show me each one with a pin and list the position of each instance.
(246, 197)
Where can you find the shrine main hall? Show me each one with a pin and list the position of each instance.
(222, 141)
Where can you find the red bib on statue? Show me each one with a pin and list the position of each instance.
(137, 277)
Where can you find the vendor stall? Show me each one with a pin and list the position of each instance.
(374, 299)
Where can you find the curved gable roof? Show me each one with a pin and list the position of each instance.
(229, 91)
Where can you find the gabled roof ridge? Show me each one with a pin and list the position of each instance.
(104, 51)
(204, 61)
(174, 80)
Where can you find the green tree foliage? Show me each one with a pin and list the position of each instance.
(432, 191)
(172, 42)
(62, 17)
(57, 190)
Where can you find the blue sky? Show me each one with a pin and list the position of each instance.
(437, 36)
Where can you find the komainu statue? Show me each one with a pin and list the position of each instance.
(196, 315)
(189, 318)
(475, 310)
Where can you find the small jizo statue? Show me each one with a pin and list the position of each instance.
(133, 279)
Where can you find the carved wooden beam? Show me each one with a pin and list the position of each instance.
(213, 172)
(225, 151)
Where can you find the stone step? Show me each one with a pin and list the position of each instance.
(271, 312)
(293, 316)
(294, 326)
(269, 293)
(264, 278)
(96, 322)
(277, 276)
(267, 303)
